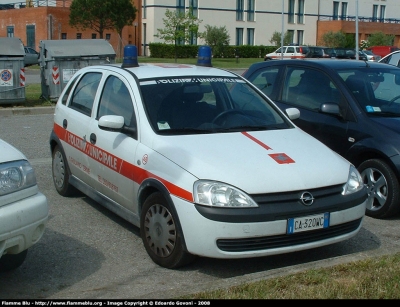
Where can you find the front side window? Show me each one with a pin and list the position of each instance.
(377, 90)
(300, 89)
(207, 104)
(116, 100)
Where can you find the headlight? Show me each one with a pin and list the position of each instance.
(218, 194)
(16, 176)
(354, 182)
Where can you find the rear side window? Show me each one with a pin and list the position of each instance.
(85, 93)
(265, 80)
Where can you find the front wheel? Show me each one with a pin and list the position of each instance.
(161, 235)
(61, 173)
(10, 262)
(383, 188)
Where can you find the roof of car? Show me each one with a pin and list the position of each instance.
(155, 70)
(329, 63)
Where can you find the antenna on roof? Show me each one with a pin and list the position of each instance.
(130, 57)
(204, 56)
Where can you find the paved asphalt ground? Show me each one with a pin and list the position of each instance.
(376, 238)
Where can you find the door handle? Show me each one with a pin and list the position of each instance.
(93, 138)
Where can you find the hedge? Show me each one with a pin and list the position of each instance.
(160, 50)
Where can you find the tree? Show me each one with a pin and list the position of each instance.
(179, 28)
(217, 38)
(277, 38)
(380, 39)
(101, 15)
(334, 39)
(123, 13)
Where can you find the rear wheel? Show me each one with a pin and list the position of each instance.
(383, 188)
(61, 173)
(10, 262)
(161, 235)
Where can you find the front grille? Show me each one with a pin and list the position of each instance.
(265, 243)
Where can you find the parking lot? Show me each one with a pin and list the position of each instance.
(88, 252)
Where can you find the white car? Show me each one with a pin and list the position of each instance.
(289, 52)
(23, 208)
(201, 161)
(392, 58)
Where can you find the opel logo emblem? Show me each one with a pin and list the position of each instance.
(307, 199)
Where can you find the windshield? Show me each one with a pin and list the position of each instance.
(377, 90)
(188, 105)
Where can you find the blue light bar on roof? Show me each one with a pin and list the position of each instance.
(130, 57)
(204, 56)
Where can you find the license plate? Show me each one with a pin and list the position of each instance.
(308, 223)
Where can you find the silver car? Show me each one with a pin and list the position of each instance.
(23, 209)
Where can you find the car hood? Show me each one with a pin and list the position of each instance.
(9, 153)
(393, 123)
(258, 162)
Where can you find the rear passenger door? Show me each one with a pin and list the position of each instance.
(76, 121)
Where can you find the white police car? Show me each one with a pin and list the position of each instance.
(23, 208)
(201, 161)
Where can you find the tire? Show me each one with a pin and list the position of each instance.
(383, 189)
(161, 234)
(10, 262)
(61, 173)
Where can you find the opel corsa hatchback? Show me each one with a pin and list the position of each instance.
(351, 106)
(201, 162)
(23, 208)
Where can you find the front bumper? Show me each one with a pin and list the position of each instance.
(22, 223)
(215, 239)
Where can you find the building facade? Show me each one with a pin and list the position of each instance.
(248, 22)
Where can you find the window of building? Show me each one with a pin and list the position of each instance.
(94, 35)
(250, 36)
(291, 35)
(10, 31)
(193, 38)
(78, 35)
(144, 9)
(250, 10)
(291, 12)
(239, 36)
(239, 10)
(375, 12)
(382, 13)
(335, 13)
(300, 37)
(180, 6)
(63, 35)
(344, 11)
(194, 7)
(300, 12)
(108, 36)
